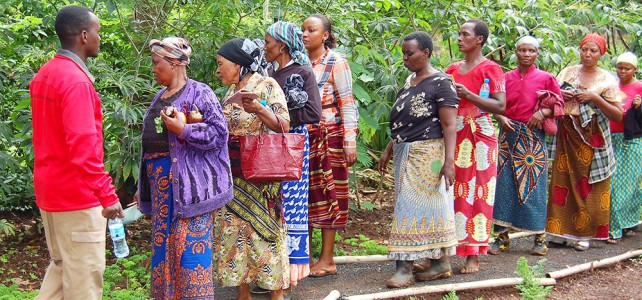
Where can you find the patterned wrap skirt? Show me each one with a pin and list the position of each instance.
(626, 184)
(475, 179)
(577, 209)
(423, 224)
(522, 176)
(328, 202)
(181, 264)
(295, 215)
(249, 240)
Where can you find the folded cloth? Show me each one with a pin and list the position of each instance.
(633, 123)
(554, 102)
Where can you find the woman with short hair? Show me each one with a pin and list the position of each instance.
(422, 125)
(476, 150)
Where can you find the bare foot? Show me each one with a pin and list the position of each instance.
(471, 266)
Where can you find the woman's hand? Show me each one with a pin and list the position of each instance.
(174, 124)
(568, 95)
(382, 166)
(536, 120)
(350, 155)
(506, 123)
(251, 105)
(637, 101)
(586, 97)
(448, 171)
(462, 91)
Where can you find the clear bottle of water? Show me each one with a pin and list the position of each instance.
(484, 91)
(117, 233)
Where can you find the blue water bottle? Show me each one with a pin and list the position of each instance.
(484, 91)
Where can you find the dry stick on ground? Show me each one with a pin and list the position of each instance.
(594, 264)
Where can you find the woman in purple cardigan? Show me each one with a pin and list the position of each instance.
(184, 175)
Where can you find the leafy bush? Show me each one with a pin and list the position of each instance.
(369, 35)
(531, 289)
(365, 246)
(128, 278)
(13, 292)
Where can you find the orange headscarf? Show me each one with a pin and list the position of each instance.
(597, 39)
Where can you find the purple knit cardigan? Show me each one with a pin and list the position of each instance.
(201, 176)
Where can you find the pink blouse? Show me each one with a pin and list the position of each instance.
(520, 92)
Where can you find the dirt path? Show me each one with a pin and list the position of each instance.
(605, 283)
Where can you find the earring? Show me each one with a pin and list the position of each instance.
(281, 50)
(172, 67)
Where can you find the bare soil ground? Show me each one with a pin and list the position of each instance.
(24, 257)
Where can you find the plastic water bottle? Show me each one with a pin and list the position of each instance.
(117, 233)
(484, 91)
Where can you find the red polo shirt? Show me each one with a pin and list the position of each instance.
(69, 173)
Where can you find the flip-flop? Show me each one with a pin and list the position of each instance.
(321, 273)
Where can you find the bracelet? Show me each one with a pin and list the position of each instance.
(541, 113)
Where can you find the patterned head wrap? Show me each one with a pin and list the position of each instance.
(629, 58)
(173, 49)
(597, 39)
(527, 39)
(291, 36)
(244, 53)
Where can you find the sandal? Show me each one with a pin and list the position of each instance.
(582, 246)
(321, 273)
(612, 241)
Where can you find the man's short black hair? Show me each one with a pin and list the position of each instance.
(423, 39)
(480, 29)
(71, 21)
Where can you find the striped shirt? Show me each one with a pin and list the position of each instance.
(335, 85)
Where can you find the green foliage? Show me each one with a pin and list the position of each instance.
(317, 242)
(365, 246)
(128, 278)
(13, 292)
(369, 35)
(531, 289)
(450, 296)
(6, 228)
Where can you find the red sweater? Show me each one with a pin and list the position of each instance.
(69, 173)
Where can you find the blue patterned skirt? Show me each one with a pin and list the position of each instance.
(521, 178)
(295, 208)
(181, 266)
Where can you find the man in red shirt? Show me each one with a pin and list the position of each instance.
(74, 193)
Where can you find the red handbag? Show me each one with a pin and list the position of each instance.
(272, 157)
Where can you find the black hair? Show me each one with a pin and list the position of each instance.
(331, 41)
(423, 39)
(480, 29)
(70, 22)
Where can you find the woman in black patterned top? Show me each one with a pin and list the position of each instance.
(422, 125)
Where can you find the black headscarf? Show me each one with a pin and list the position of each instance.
(244, 53)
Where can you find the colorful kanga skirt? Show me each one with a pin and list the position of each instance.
(423, 224)
(522, 176)
(577, 209)
(181, 264)
(475, 178)
(249, 240)
(328, 202)
(295, 215)
(626, 184)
